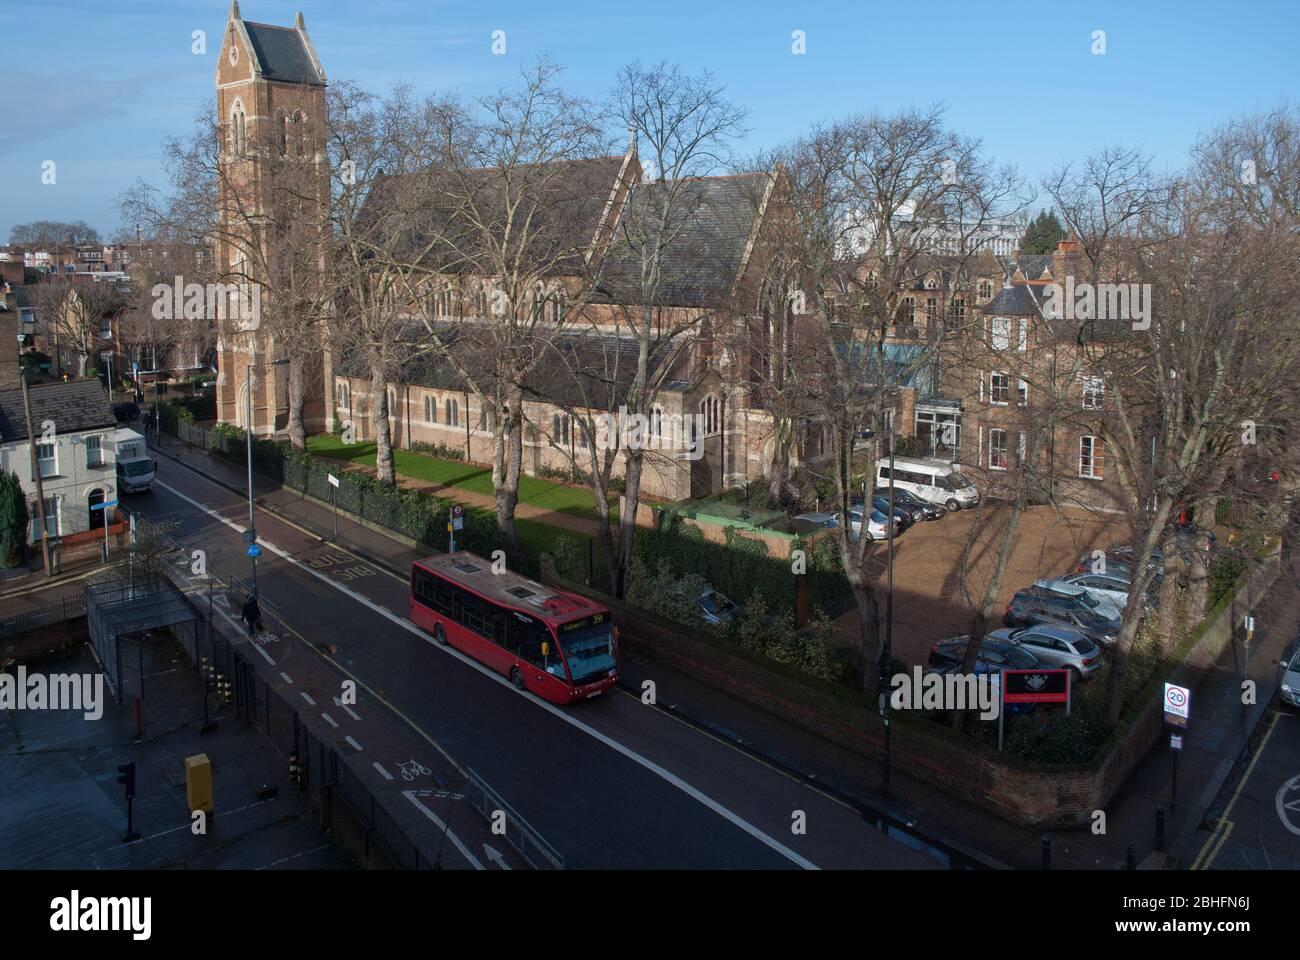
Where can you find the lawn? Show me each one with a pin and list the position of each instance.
(534, 491)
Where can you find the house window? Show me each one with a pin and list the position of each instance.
(997, 449)
(47, 459)
(237, 129)
(1094, 393)
(1022, 338)
(484, 419)
(559, 429)
(1020, 447)
(657, 422)
(909, 311)
(94, 452)
(1092, 458)
(452, 409)
(557, 306)
(999, 388)
(1022, 393)
(985, 289)
(1000, 333)
(431, 408)
(959, 310)
(931, 309)
(51, 519)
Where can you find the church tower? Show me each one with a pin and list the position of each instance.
(270, 113)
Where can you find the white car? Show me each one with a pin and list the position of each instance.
(876, 529)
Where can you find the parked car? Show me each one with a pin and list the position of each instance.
(906, 515)
(937, 481)
(1290, 689)
(1036, 605)
(876, 528)
(994, 656)
(710, 605)
(1104, 606)
(921, 509)
(1118, 559)
(1056, 646)
(1113, 585)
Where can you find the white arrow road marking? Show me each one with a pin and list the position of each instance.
(477, 864)
(494, 855)
(729, 815)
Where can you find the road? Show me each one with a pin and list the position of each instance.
(1259, 826)
(609, 783)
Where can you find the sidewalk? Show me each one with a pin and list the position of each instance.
(1219, 734)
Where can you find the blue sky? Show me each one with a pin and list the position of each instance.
(99, 85)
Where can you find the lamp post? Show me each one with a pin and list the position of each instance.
(251, 536)
(887, 648)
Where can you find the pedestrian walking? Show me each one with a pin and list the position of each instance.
(252, 615)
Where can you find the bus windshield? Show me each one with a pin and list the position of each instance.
(589, 650)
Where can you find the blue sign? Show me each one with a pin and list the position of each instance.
(254, 551)
(103, 506)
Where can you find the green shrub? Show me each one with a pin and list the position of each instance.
(13, 522)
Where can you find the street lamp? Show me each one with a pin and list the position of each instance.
(887, 650)
(251, 536)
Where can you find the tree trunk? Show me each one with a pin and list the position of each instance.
(505, 475)
(297, 432)
(384, 465)
(633, 463)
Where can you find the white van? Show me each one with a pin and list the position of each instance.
(938, 481)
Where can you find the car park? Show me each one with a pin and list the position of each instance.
(1056, 646)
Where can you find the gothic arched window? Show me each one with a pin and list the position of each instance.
(238, 129)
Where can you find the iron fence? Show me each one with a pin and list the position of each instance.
(67, 609)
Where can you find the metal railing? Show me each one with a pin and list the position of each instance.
(528, 843)
(66, 609)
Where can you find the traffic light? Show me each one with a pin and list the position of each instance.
(126, 777)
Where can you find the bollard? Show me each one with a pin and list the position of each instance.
(1047, 851)
(1160, 828)
(1132, 857)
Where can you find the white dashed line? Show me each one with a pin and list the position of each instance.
(380, 767)
(307, 698)
(354, 744)
(287, 678)
(330, 720)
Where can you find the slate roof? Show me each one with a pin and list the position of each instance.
(1033, 265)
(445, 214)
(577, 369)
(715, 218)
(75, 407)
(1017, 300)
(282, 54)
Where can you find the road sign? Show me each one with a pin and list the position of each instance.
(334, 481)
(1036, 686)
(457, 517)
(254, 550)
(104, 505)
(1249, 624)
(1178, 703)
(1176, 741)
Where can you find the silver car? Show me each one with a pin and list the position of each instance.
(1291, 678)
(1057, 647)
(1112, 586)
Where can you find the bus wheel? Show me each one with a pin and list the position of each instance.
(439, 634)
(517, 677)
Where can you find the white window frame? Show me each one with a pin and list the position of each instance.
(1092, 473)
(1094, 393)
(52, 458)
(1000, 339)
(94, 441)
(1006, 388)
(993, 445)
(1022, 393)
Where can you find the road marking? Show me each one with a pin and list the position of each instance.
(354, 743)
(276, 863)
(671, 778)
(380, 767)
(287, 678)
(346, 709)
(307, 698)
(330, 720)
(410, 795)
(1294, 805)
(1202, 862)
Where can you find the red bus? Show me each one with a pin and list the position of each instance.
(561, 646)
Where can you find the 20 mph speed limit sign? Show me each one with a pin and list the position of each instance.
(1178, 702)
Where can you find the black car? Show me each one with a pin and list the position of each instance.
(919, 509)
(902, 513)
(1036, 605)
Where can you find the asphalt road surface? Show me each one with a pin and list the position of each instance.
(608, 783)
